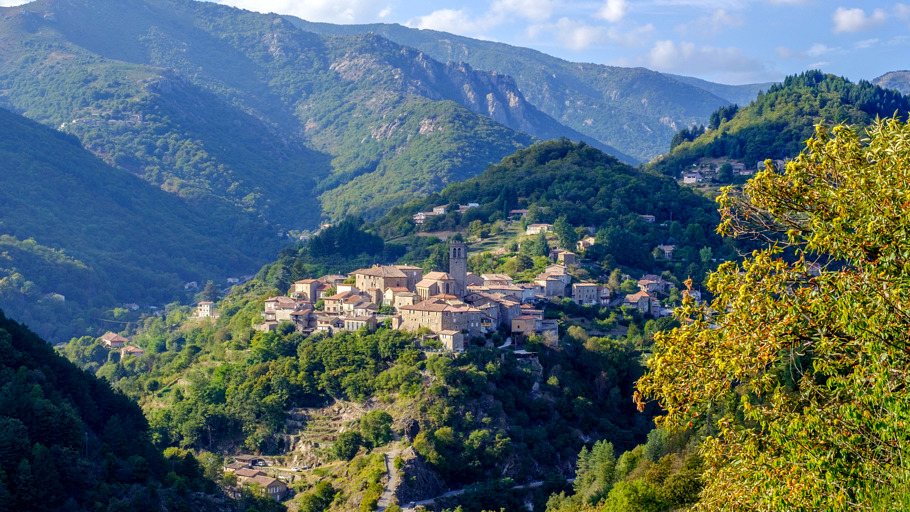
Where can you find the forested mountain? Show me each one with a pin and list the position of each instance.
(219, 104)
(77, 235)
(633, 109)
(777, 124)
(69, 442)
(897, 80)
(577, 186)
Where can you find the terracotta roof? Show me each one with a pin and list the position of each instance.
(132, 350)
(449, 333)
(407, 267)
(437, 276)
(380, 271)
(267, 481)
(397, 289)
(249, 473)
(112, 337)
(306, 281)
(206, 303)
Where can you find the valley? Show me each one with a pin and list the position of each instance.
(254, 262)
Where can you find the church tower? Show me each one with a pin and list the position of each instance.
(458, 266)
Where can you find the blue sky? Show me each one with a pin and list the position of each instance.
(729, 41)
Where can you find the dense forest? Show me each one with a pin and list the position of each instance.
(69, 442)
(581, 191)
(777, 124)
(79, 238)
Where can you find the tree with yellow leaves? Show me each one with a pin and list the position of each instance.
(800, 363)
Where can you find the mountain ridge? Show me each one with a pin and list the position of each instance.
(581, 95)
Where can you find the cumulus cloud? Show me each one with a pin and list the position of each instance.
(730, 64)
(455, 21)
(709, 26)
(613, 10)
(532, 10)
(854, 20)
(902, 11)
(818, 49)
(330, 11)
(571, 34)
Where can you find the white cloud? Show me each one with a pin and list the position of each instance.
(331, 11)
(531, 10)
(450, 20)
(576, 35)
(11, 3)
(854, 20)
(613, 10)
(866, 44)
(709, 26)
(636, 36)
(902, 11)
(818, 49)
(730, 64)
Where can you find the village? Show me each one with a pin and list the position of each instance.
(451, 308)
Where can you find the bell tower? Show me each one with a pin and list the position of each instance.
(458, 266)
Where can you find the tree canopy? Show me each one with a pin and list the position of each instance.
(799, 365)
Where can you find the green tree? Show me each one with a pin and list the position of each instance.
(565, 233)
(347, 444)
(802, 371)
(725, 173)
(376, 427)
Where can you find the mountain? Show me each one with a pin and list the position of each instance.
(735, 94)
(896, 80)
(222, 105)
(777, 124)
(633, 109)
(77, 234)
(69, 442)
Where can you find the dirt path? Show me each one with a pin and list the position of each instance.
(386, 499)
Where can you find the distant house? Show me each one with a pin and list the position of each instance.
(518, 214)
(654, 284)
(692, 177)
(650, 219)
(536, 229)
(113, 340)
(667, 251)
(206, 310)
(307, 289)
(453, 341)
(588, 241)
(586, 293)
(272, 487)
(354, 323)
(642, 301)
(563, 256)
(134, 351)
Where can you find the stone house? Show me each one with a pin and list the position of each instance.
(113, 340)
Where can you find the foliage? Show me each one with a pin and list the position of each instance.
(776, 124)
(93, 235)
(596, 100)
(802, 371)
(67, 441)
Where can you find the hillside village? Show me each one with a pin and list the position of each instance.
(451, 307)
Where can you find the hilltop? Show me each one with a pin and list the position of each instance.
(777, 124)
(896, 80)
